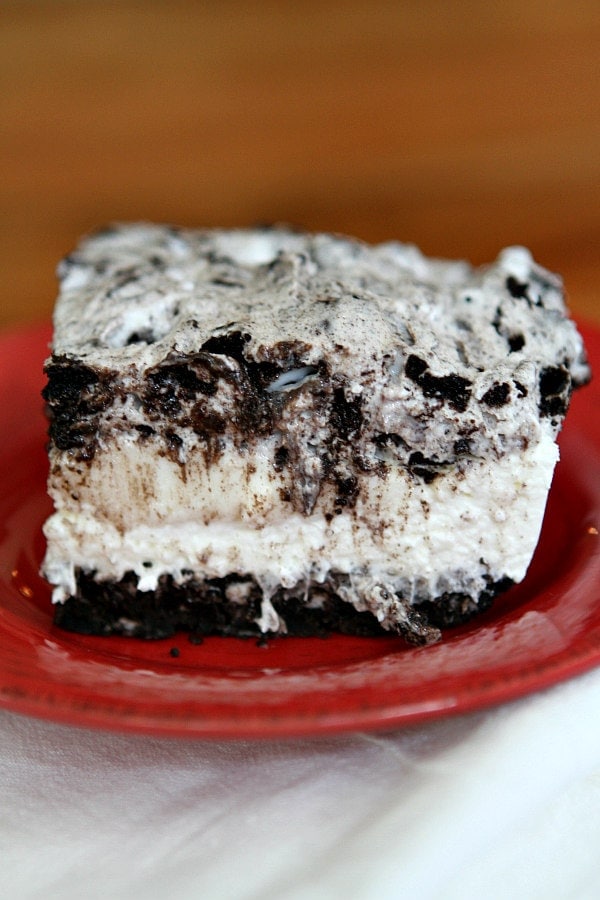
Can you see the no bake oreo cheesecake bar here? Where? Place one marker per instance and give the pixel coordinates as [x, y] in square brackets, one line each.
[268, 431]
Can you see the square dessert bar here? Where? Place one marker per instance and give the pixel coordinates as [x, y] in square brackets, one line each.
[268, 431]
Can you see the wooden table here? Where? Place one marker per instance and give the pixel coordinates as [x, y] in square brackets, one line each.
[459, 126]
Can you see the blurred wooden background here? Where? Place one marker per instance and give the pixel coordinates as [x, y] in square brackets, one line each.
[461, 126]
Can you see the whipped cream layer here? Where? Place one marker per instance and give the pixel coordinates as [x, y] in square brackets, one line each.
[455, 534]
[292, 407]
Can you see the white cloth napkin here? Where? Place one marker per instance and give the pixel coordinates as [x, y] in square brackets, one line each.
[499, 804]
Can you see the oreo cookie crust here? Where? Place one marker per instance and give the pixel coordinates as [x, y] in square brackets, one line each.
[266, 431]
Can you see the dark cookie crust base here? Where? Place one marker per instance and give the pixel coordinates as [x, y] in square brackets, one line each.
[202, 609]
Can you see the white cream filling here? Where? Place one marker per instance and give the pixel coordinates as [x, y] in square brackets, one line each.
[132, 508]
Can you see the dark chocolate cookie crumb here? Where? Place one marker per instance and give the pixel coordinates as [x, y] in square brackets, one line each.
[452, 388]
[497, 395]
[517, 289]
[555, 390]
[516, 342]
[75, 397]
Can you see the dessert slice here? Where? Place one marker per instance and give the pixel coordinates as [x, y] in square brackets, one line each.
[267, 431]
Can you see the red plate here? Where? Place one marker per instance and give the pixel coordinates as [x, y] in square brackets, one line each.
[541, 632]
